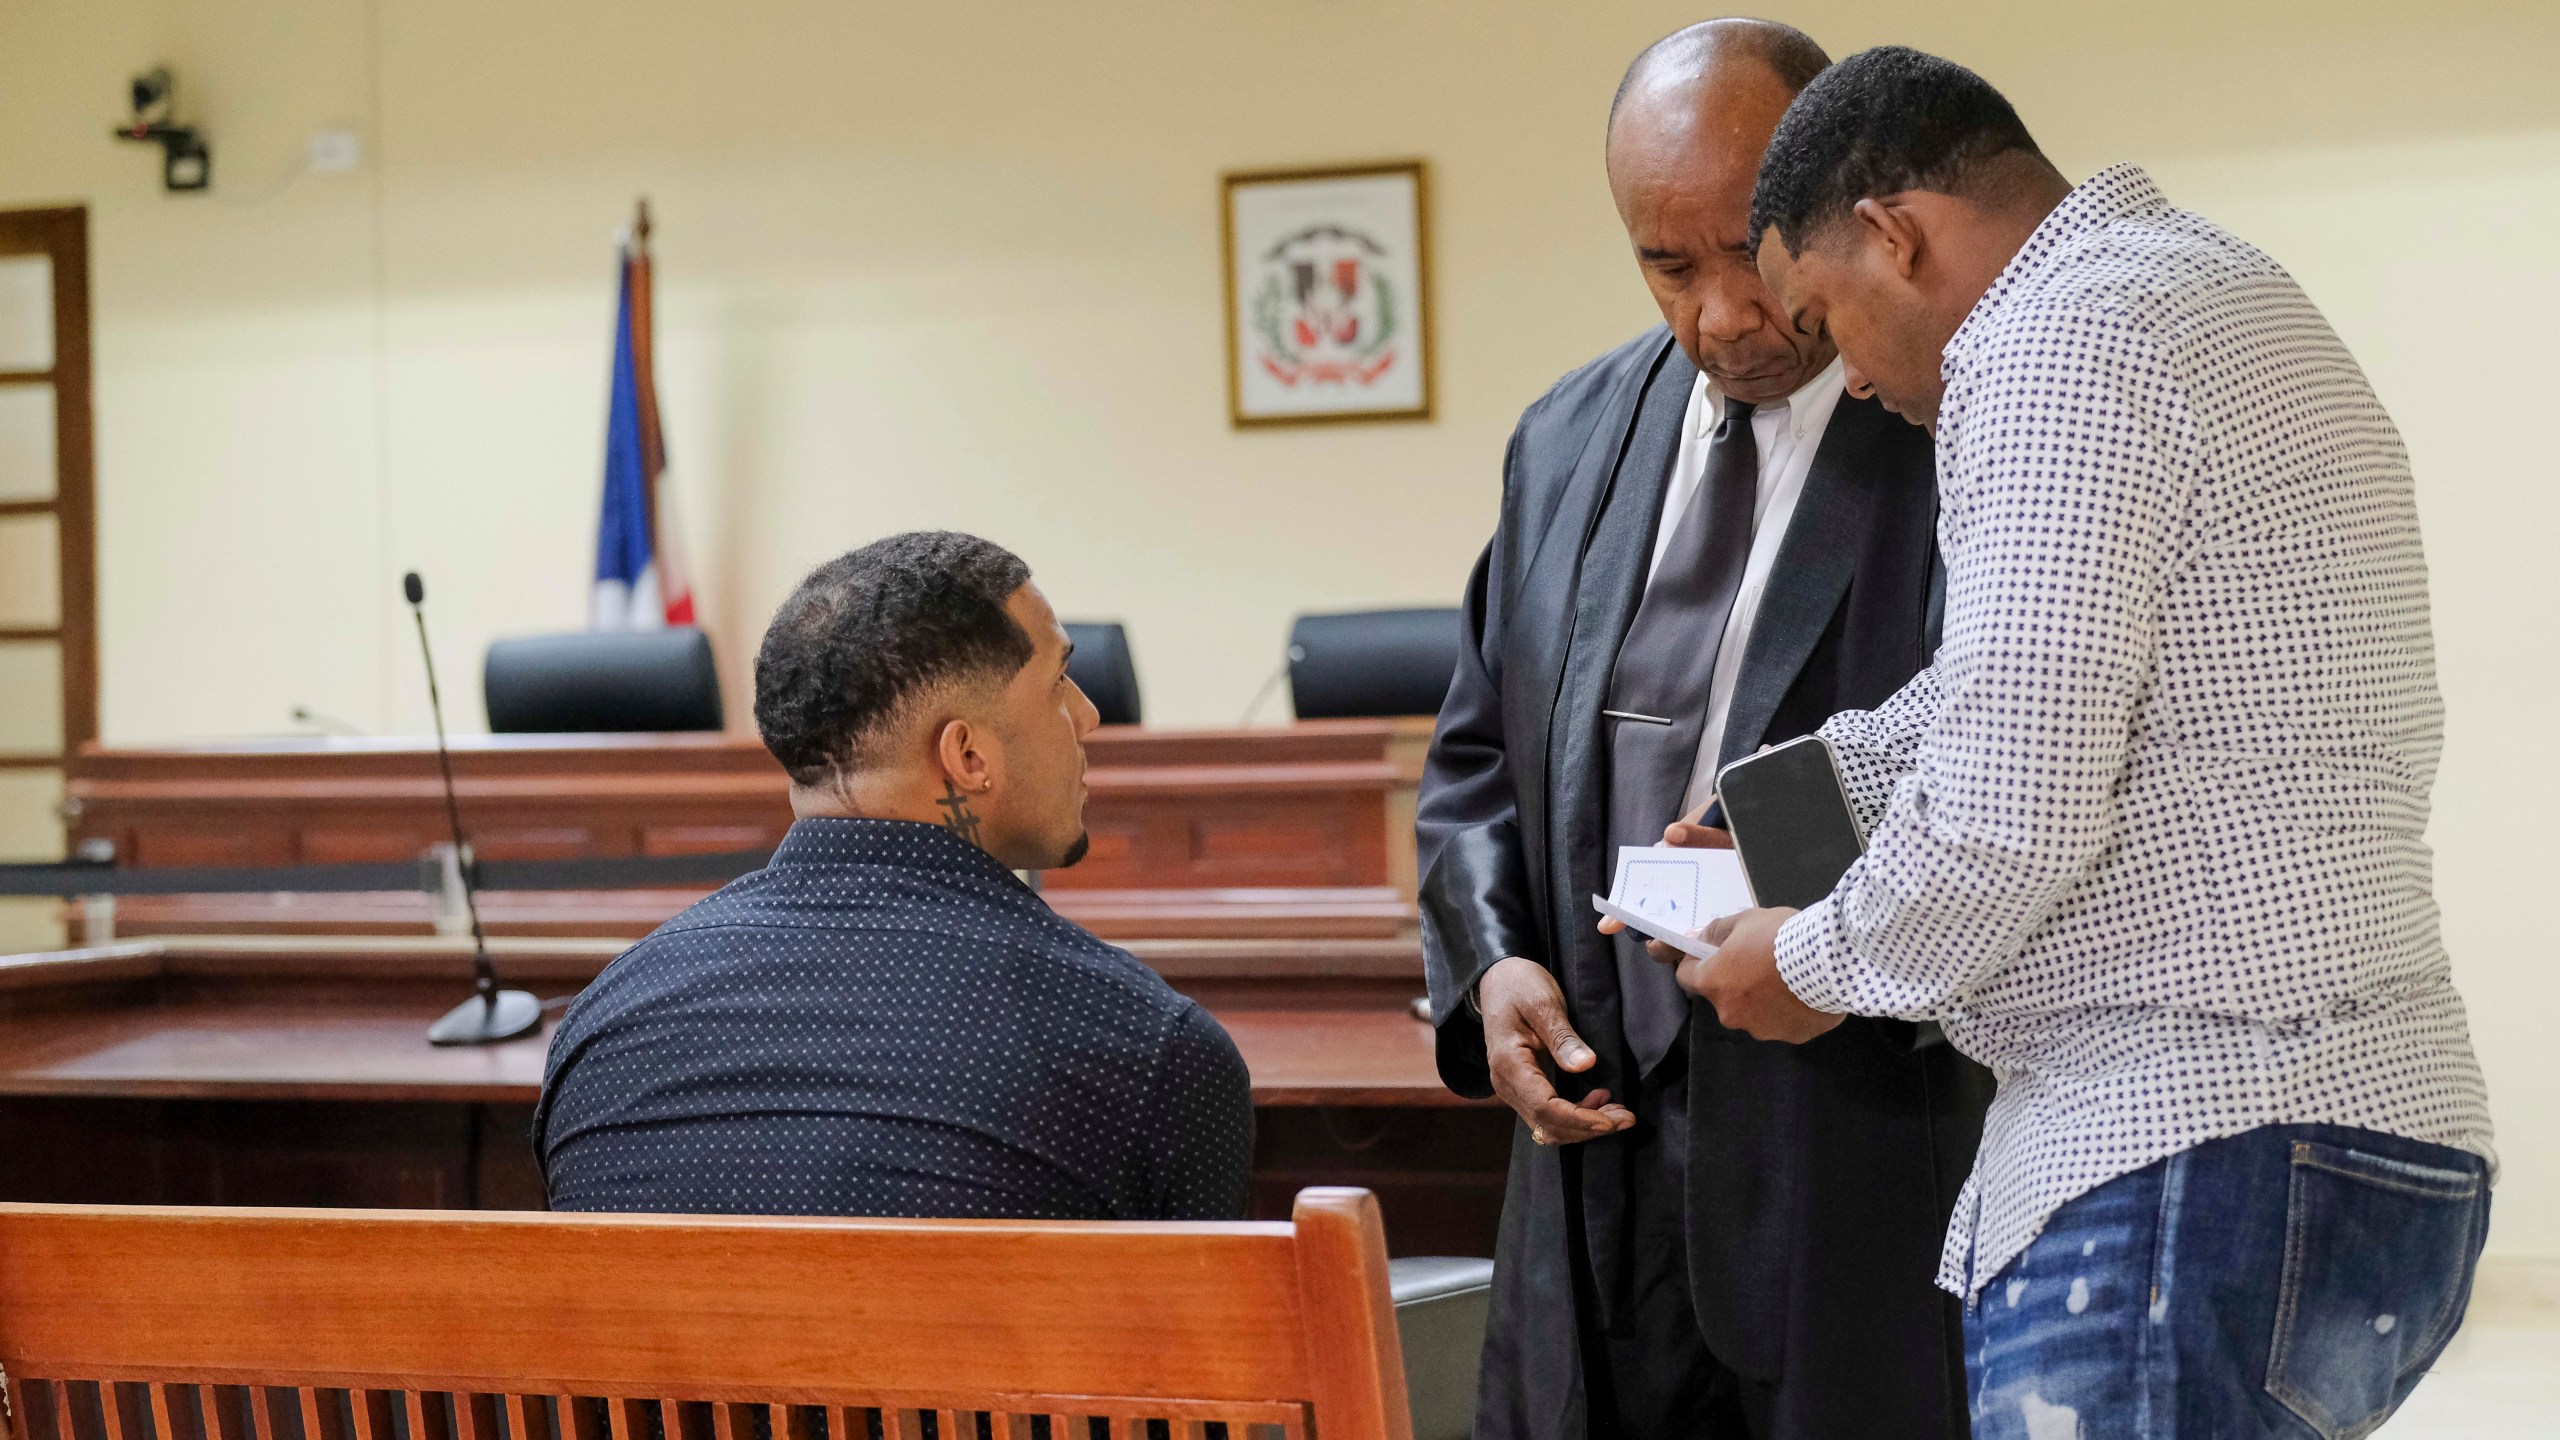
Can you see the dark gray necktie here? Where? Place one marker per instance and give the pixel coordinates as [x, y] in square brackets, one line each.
[1665, 670]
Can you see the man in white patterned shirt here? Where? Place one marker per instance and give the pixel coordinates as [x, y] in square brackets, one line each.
[2147, 839]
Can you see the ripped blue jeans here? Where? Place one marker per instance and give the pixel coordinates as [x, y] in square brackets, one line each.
[2293, 1281]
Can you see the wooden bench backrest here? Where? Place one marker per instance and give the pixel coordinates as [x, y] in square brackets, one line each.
[212, 1324]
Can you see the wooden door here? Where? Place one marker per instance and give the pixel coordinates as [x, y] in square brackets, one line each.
[48, 545]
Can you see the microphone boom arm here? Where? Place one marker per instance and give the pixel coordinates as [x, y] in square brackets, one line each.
[483, 972]
[492, 1015]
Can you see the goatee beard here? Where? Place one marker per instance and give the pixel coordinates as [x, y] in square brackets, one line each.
[1076, 851]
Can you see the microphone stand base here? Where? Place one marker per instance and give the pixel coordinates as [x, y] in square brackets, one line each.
[487, 1020]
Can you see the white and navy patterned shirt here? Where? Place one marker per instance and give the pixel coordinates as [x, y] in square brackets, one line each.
[2148, 838]
[884, 1021]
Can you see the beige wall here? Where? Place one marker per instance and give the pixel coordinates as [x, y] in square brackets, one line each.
[957, 265]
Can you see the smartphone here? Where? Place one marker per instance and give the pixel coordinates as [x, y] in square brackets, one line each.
[1790, 820]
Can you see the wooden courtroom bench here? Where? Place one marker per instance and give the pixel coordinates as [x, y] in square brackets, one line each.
[294, 1070]
[1299, 832]
[178, 1324]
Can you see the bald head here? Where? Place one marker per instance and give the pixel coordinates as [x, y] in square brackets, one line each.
[1679, 62]
[1686, 132]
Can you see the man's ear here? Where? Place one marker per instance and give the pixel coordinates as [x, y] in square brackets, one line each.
[961, 753]
[1768, 255]
[1891, 229]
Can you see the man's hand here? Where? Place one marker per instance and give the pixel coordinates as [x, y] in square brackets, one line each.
[1525, 1024]
[1690, 835]
[1741, 981]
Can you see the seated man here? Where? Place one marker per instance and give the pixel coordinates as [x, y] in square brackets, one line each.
[884, 1021]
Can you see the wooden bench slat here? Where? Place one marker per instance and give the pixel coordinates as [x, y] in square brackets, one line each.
[205, 1324]
[647, 1312]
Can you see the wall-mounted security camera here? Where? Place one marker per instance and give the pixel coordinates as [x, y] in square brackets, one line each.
[186, 160]
[152, 91]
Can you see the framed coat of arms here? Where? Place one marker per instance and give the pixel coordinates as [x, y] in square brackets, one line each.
[1328, 295]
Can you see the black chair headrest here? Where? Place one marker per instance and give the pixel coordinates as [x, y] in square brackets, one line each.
[1372, 662]
[1102, 669]
[602, 680]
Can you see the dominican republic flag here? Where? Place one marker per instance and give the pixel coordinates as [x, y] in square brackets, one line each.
[641, 579]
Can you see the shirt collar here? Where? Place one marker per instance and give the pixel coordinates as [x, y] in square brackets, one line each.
[905, 844]
[1798, 408]
[2102, 199]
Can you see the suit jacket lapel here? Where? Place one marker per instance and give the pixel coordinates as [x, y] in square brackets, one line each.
[1617, 547]
[1555, 560]
[1553, 573]
[1812, 570]
[1537, 605]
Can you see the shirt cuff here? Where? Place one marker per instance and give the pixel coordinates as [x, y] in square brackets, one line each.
[1804, 959]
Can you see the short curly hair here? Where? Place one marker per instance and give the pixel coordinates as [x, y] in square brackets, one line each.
[1878, 123]
[869, 632]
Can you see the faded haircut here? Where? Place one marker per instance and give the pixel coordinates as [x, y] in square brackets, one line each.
[871, 632]
[1879, 123]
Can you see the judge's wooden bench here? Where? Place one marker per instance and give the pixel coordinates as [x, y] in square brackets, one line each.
[1299, 832]
[269, 1048]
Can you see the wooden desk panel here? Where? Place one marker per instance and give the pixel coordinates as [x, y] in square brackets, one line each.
[1305, 830]
[303, 1051]
[233, 1021]
[327, 799]
[1316, 912]
[295, 1071]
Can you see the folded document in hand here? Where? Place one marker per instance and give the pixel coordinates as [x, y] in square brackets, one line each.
[1670, 892]
[1646, 925]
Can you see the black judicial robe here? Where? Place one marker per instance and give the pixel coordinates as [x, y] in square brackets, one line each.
[1821, 1175]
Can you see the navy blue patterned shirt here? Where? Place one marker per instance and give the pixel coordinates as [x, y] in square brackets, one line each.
[884, 1021]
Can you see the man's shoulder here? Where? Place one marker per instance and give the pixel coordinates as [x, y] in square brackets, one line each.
[1195, 1029]
[2156, 279]
[858, 955]
[1574, 401]
[993, 918]
[1086, 960]
[896, 915]
[1556, 428]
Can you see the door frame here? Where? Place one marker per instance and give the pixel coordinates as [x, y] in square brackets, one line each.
[62, 234]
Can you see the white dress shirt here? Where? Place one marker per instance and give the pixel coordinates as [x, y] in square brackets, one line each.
[2149, 838]
[1788, 432]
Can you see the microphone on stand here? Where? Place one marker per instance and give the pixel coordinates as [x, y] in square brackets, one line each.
[492, 1014]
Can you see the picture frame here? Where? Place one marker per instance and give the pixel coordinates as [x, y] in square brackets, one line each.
[1328, 294]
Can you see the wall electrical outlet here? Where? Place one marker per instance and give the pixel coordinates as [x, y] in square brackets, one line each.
[335, 152]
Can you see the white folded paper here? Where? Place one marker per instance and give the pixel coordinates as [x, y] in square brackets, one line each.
[1671, 892]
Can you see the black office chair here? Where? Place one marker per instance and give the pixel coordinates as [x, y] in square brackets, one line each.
[1372, 662]
[602, 680]
[1101, 667]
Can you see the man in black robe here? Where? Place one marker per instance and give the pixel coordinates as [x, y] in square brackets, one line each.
[1705, 546]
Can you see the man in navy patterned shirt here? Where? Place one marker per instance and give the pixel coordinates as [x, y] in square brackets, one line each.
[884, 1020]
[2148, 836]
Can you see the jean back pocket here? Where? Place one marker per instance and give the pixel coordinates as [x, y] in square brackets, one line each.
[2378, 1257]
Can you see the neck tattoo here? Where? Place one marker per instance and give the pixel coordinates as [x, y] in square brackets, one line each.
[958, 818]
